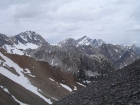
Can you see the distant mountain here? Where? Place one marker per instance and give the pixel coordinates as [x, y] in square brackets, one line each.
[87, 41]
[19, 43]
[30, 37]
[68, 42]
[119, 55]
[82, 41]
[120, 88]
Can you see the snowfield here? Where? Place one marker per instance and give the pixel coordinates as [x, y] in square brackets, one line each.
[21, 80]
[16, 49]
[66, 87]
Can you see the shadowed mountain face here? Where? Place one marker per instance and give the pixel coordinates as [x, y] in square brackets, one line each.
[84, 66]
[120, 56]
[120, 88]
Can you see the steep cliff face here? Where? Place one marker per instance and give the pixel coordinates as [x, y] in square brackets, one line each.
[120, 88]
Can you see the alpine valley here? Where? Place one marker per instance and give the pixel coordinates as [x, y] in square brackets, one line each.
[77, 72]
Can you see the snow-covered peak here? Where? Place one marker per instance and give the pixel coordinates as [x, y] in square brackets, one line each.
[88, 41]
[30, 37]
[18, 43]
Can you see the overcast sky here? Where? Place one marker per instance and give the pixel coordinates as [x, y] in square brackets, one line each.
[114, 21]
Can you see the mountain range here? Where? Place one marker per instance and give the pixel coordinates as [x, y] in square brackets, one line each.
[47, 73]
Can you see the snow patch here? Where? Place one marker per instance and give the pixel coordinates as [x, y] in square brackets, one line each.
[54, 98]
[92, 74]
[75, 88]
[12, 50]
[116, 50]
[54, 64]
[81, 84]
[24, 38]
[27, 71]
[66, 87]
[26, 46]
[16, 49]
[88, 81]
[69, 69]
[51, 79]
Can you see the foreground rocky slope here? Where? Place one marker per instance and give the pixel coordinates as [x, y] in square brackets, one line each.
[34, 82]
[121, 88]
[6, 99]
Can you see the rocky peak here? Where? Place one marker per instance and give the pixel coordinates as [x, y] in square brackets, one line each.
[97, 42]
[30, 37]
[80, 39]
[88, 41]
[68, 42]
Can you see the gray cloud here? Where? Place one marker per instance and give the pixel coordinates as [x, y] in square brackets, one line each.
[115, 21]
